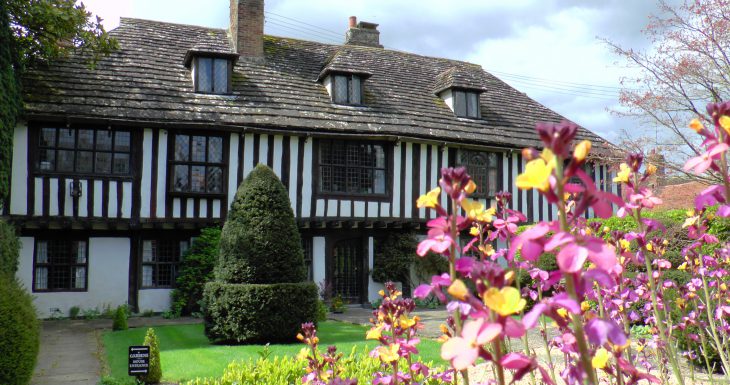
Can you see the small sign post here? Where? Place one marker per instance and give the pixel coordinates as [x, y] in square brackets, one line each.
[139, 361]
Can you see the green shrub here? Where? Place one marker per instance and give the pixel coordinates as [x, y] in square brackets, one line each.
[394, 255]
[196, 269]
[260, 242]
[258, 313]
[321, 311]
[289, 370]
[258, 294]
[120, 318]
[154, 375]
[74, 312]
[430, 265]
[9, 250]
[19, 333]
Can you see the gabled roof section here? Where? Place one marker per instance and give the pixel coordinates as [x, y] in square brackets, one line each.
[146, 83]
[349, 59]
[468, 76]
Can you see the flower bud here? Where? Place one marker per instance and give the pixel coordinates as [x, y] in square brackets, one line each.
[582, 150]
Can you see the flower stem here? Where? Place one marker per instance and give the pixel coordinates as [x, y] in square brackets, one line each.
[452, 274]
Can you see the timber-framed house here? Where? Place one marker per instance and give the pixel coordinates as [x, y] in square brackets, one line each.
[116, 168]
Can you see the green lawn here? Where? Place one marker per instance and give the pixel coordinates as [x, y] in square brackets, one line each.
[187, 354]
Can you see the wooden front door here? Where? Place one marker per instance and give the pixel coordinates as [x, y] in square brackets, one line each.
[347, 269]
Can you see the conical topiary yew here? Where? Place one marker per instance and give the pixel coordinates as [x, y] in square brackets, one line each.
[258, 294]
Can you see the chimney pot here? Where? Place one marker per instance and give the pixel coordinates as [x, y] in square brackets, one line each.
[362, 33]
[353, 21]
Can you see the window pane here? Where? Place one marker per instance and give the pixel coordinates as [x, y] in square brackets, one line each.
[41, 278]
[66, 138]
[121, 164]
[221, 76]
[122, 141]
[104, 140]
[65, 160]
[203, 72]
[184, 245]
[340, 89]
[215, 149]
[325, 178]
[198, 149]
[86, 139]
[459, 103]
[473, 104]
[182, 147]
[48, 137]
[41, 252]
[47, 160]
[214, 180]
[379, 182]
[379, 157]
[181, 178]
[80, 278]
[197, 179]
[103, 163]
[147, 251]
[147, 272]
[355, 91]
[492, 191]
[84, 161]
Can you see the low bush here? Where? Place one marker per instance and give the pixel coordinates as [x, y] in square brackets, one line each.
[19, 333]
[120, 318]
[289, 370]
[196, 268]
[321, 311]
[154, 375]
[258, 313]
[74, 312]
[393, 257]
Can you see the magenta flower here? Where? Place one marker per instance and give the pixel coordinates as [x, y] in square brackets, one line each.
[463, 351]
[574, 252]
[531, 242]
[700, 164]
[437, 241]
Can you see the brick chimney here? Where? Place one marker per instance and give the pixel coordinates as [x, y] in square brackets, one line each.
[247, 28]
[362, 33]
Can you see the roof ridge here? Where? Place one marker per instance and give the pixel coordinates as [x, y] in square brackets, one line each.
[122, 19]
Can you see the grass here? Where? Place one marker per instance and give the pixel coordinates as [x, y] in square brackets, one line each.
[186, 353]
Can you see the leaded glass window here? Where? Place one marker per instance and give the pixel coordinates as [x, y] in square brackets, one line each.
[483, 167]
[100, 152]
[198, 164]
[212, 75]
[466, 104]
[352, 168]
[60, 265]
[160, 260]
[347, 89]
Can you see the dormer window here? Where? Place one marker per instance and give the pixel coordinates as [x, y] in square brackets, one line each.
[466, 104]
[347, 89]
[212, 75]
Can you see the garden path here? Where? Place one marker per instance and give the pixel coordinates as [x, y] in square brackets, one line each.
[71, 350]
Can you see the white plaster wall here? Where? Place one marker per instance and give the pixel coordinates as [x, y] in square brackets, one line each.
[108, 277]
[157, 300]
[18, 195]
[318, 266]
[448, 98]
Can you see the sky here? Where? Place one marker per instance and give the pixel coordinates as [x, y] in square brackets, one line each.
[550, 49]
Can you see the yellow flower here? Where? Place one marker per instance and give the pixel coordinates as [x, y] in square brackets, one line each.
[623, 174]
[470, 187]
[487, 249]
[475, 210]
[506, 301]
[562, 312]
[458, 290]
[474, 231]
[430, 200]
[624, 244]
[585, 306]
[691, 221]
[548, 156]
[723, 287]
[508, 276]
[725, 123]
[302, 355]
[389, 353]
[600, 360]
[683, 266]
[650, 246]
[374, 333]
[406, 322]
[696, 125]
[582, 150]
[650, 169]
[537, 175]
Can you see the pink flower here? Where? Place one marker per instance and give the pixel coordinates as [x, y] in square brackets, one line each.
[574, 253]
[700, 164]
[437, 241]
[530, 242]
[463, 351]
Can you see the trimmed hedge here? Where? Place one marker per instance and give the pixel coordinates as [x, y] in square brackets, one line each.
[394, 256]
[260, 242]
[258, 313]
[196, 269]
[19, 333]
[9, 250]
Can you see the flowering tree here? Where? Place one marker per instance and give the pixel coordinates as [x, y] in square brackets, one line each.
[688, 63]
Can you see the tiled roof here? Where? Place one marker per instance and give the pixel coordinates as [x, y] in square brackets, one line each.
[469, 76]
[146, 82]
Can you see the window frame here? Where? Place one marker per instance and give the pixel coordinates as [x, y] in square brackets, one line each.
[70, 266]
[35, 149]
[171, 163]
[154, 263]
[388, 171]
[466, 93]
[197, 72]
[349, 76]
[482, 192]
